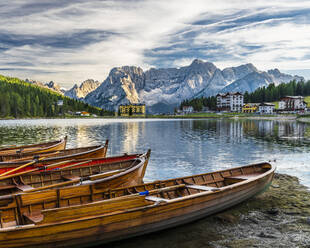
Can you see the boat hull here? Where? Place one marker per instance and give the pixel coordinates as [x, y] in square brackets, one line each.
[37, 148]
[93, 153]
[94, 230]
[123, 169]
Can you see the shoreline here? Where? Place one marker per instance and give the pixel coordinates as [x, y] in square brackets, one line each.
[209, 116]
[280, 217]
[304, 120]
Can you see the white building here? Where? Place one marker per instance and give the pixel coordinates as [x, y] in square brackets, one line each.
[293, 103]
[231, 101]
[187, 109]
[266, 108]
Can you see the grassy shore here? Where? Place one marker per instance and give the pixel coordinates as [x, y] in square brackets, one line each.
[187, 116]
[224, 115]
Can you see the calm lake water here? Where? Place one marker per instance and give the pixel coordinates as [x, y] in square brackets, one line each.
[179, 147]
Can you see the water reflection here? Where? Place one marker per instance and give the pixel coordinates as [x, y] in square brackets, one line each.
[179, 147]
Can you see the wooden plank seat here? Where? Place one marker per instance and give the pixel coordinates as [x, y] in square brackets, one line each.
[156, 199]
[34, 217]
[202, 187]
[244, 177]
[70, 177]
[24, 187]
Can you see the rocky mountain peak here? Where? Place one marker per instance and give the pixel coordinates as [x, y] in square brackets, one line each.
[197, 62]
[51, 85]
[79, 92]
[164, 88]
[279, 77]
[199, 66]
[275, 72]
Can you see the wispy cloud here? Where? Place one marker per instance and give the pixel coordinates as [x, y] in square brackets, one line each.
[69, 41]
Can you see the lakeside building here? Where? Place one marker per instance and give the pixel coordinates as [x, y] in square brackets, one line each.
[250, 107]
[266, 108]
[292, 103]
[132, 110]
[231, 101]
[187, 109]
[82, 113]
[85, 113]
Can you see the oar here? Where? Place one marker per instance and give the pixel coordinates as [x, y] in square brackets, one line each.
[53, 186]
[46, 155]
[73, 181]
[73, 165]
[35, 169]
[46, 167]
[21, 167]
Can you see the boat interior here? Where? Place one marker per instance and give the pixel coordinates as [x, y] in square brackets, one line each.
[67, 173]
[57, 205]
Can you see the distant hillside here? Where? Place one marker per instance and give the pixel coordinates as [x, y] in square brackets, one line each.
[21, 99]
[271, 93]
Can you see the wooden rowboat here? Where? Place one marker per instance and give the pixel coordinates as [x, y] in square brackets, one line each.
[90, 215]
[75, 172]
[58, 156]
[60, 153]
[35, 148]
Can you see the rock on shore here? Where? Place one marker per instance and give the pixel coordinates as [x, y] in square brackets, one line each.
[279, 217]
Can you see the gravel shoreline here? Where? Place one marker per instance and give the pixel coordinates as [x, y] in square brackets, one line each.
[280, 217]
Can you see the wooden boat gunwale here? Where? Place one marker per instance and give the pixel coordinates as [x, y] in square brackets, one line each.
[221, 189]
[143, 158]
[143, 214]
[12, 164]
[53, 147]
[79, 154]
[7, 148]
[39, 155]
[94, 178]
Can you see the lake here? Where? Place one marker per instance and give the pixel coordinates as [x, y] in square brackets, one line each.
[179, 147]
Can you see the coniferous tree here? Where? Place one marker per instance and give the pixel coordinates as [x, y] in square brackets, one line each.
[21, 99]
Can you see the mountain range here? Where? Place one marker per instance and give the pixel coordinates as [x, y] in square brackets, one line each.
[165, 88]
[79, 92]
[51, 85]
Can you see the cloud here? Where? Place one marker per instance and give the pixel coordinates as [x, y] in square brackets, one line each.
[74, 40]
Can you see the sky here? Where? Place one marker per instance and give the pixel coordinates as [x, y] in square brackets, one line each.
[69, 41]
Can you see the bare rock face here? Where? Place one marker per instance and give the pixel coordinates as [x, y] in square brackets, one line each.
[51, 85]
[279, 77]
[79, 92]
[54, 86]
[120, 87]
[161, 89]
